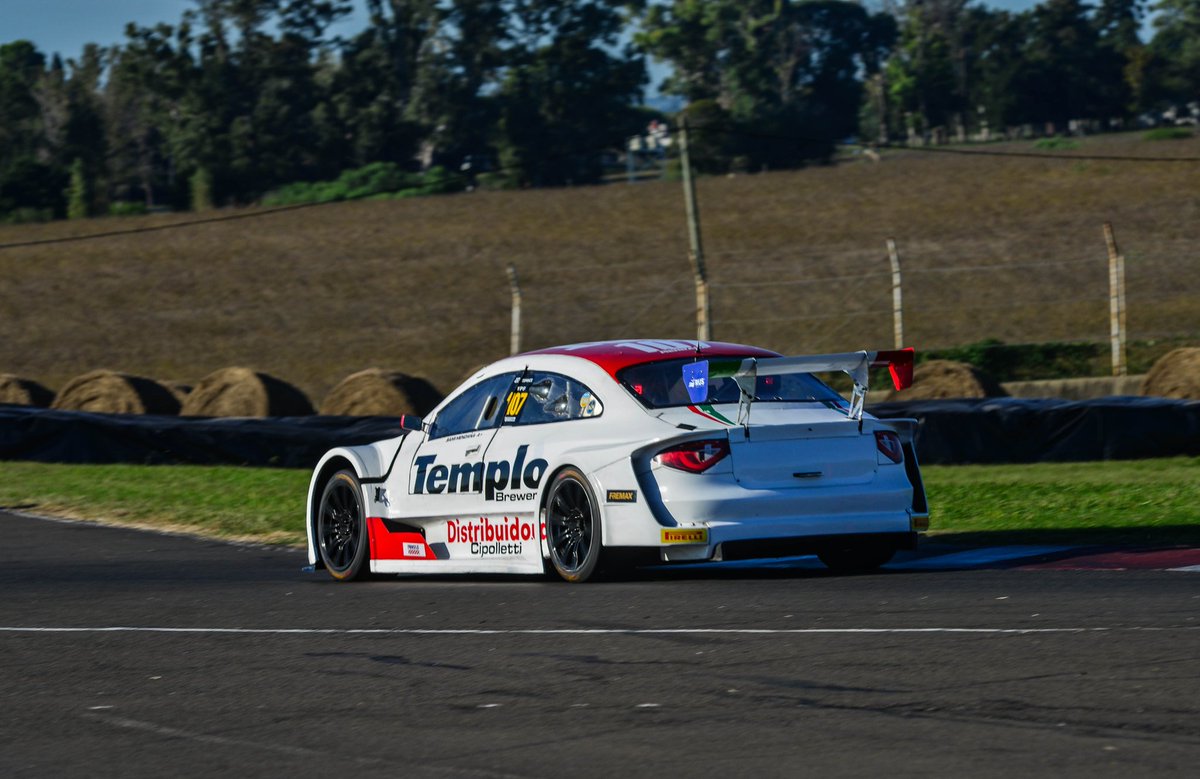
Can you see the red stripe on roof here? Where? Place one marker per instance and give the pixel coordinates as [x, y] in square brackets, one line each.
[614, 356]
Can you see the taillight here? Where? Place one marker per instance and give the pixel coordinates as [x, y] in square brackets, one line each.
[694, 456]
[888, 444]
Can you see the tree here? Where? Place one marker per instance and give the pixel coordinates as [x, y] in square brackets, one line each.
[28, 179]
[1066, 76]
[787, 72]
[371, 114]
[567, 92]
[1176, 45]
[930, 73]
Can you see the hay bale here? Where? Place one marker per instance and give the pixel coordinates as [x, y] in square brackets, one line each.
[23, 392]
[109, 392]
[241, 392]
[179, 389]
[375, 392]
[938, 379]
[1175, 375]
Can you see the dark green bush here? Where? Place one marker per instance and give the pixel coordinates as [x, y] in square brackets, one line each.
[1056, 143]
[379, 180]
[1169, 134]
[1024, 362]
[126, 208]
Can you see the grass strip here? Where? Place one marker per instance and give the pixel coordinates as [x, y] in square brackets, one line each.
[257, 504]
[1112, 502]
[1118, 502]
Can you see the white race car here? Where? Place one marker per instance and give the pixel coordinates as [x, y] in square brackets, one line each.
[579, 456]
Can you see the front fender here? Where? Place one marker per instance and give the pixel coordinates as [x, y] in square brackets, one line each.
[370, 461]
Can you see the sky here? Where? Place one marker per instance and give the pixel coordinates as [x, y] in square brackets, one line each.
[64, 26]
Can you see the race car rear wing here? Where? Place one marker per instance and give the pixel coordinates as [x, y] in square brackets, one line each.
[899, 363]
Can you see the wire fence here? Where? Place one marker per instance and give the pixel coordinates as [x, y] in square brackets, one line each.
[834, 302]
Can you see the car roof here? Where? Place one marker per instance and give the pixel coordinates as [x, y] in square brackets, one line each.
[614, 356]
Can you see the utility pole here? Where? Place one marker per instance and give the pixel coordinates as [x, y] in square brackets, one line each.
[897, 303]
[1116, 302]
[695, 248]
[515, 287]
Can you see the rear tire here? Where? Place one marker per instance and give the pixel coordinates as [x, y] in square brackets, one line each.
[573, 526]
[341, 530]
[859, 558]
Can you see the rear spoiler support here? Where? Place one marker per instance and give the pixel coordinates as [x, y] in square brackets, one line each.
[857, 365]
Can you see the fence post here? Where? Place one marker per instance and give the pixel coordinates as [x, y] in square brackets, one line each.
[1116, 301]
[514, 286]
[696, 249]
[897, 303]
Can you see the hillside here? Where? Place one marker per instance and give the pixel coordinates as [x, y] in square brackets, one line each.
[419, 285]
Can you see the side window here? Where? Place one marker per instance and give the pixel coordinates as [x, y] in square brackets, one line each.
[541, 397]
[477, 408]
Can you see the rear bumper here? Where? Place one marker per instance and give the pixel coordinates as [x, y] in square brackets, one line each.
[737, 540]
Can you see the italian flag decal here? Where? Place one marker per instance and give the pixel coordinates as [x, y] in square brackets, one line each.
[708, 412]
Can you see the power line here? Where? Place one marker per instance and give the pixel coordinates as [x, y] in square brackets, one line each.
[450, 177]
[456, 176]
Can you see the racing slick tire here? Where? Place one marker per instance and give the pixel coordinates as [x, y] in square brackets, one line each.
[341, 530]
[573, 531]
[858, 558]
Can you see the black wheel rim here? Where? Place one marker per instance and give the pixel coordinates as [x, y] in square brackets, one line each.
[341, 528]
[569, 525]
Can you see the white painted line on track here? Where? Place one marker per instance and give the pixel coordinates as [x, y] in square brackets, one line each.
[589, 631]
[1188, 568]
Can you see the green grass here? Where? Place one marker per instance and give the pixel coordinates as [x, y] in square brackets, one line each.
[258, 504]
[1142, 501]
[1056, 143]
[1169, 134]
[1128, 502]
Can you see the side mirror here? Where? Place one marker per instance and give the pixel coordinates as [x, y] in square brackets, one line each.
[411, 422]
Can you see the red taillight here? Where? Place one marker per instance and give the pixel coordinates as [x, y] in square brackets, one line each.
[694, 456]
[888, 444]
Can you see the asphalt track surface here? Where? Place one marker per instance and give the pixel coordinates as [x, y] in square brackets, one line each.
[229, 659]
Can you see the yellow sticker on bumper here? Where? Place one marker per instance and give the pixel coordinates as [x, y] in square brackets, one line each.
[691, 535]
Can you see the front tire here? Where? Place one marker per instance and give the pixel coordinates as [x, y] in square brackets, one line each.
[342, 528]
[573, 526]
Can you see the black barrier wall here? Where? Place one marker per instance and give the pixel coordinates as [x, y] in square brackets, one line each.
[1000, 430]
[48, 436]
[1031, 430]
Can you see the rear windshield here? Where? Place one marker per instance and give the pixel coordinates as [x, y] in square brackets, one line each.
[660, 385]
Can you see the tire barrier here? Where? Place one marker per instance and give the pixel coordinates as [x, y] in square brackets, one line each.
[1032, 430]
[43, 435]
[950, 432]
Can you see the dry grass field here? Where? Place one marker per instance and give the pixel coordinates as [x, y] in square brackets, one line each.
[797, 263]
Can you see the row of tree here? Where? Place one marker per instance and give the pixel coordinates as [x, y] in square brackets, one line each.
[243, 96]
